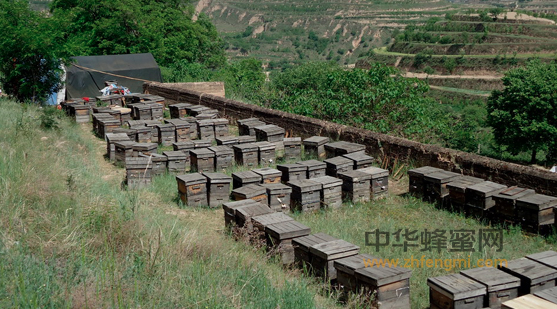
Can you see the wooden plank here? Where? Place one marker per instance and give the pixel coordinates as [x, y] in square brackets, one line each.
[379, 276]
[549, 295]
[272, 218]
[529, 270]
[528, 302]
[335, 249]
[494, 279]
[286, 230]
[547, 258]
[457, 286]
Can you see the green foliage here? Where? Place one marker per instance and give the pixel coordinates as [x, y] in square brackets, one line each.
[31, 48]
[523, 114]
[50, 118]
[163, 28]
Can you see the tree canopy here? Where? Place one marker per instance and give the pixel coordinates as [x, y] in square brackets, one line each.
[523, 115]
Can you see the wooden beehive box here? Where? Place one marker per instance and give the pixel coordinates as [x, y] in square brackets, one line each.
[132, 106]
[245, 139]
[96, 121]
[230, 210]
[500, 285]
[416, 184]
[306, 195]
[279, 238]
[193, 189]
[181, 128]
[292, 148]
[504, 209]
[202, 143]
[143, 134]
[240, 179]
[389, 287]
[253, 191]
[193, 126]
[360, 159]
[314, 168]
[301, 246]
[227, 140]
[224, 157]
[547, 258]
[178, 110]
[143, 148]
[221, 127]
[184, 146]
[206, 129]
[323, 256]
[123, 150]
[129, 132]
[260, 222]
[379, 181]
[270, 133]
[159, 163]
[533, 276]
[266, 153]
[479, 197]
[176, 161]
[166, 134]
[337, 165]
[138, 172]
[157, 111]
[550, 295]
[455, 291]
[268, 175]
[278, 196]
[535, 212]
[528, 302]
[457, 191]
[207, 114]
[135, 124]
[245, 213]
[107, 126]
[196, 110]
[202, 160]
[218, 188]
[341, 148]
[82, 113]
[142, 112]
[246, 154]
[292, 172]
[331, 191]
[154, 130]
[247, 126]
[346, 271]
[356, 186]
[315, 146]
[112, 138]
[436, 186]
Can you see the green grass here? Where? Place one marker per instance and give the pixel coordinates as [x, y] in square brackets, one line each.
[463, 91]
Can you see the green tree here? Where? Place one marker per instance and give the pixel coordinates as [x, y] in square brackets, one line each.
[523, 115]
[31, 48]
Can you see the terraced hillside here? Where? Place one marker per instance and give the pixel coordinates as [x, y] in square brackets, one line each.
[284, 32]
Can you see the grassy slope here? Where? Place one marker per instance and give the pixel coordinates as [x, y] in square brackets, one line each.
[71, 238]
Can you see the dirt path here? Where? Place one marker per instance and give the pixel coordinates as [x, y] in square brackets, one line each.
[424, 76]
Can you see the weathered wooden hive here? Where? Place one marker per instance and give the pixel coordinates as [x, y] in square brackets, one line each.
[457, 191]
[436, 186]
[341, 148]
[202, 143]
[331, 191]
[227, 140]
[416, 185]
[260, 222]
[193, 189]
[360, 159]
[219, 188]
[535, 212]
[346, 271]
[230, 211]
[138, 172]
[97, 118]
[314, 168]
[253, 191]
[129, 132]
[196, 110]
[529, 302]
[315, 146]
[206, 129]
[324, 255]
[112, 138]
[270, 133]
[166, 134]
[142, 112]
[106, 125]
[246, 139]
[181, 128]
[246, 154]
[278, 196]
[549, 295]
[479, 198]
[456, 291]
[247, 126]
[178, 110]
[207, 114]
[292, 148]
[306, 195]
[302, 256]
[534, 276]
[176, 161]
[500, 285]
[159, 163]
[356, 186]
[202, 160]
[266, 153]
[81, 112]
[138, 148]
[123, 150]
[292, 172]
[280, 236]
[221, 127]
[246, 213]
[504, 209]
[193, 126]
[154, 130]
[224, 157]
[268, 175]
[379, 181]
[338, 165]
[241, 179]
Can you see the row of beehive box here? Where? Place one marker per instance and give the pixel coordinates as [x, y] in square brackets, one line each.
[333, 259]
[493, 287]
[484, 199]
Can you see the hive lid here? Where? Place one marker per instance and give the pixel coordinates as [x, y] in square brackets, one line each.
[538, 201]
[514, 193]
[206, 122]
[220, 121]
[493, 278]
[334, 249]
[178, 123]
[267, 171]
[221, 150]
[375, 172]
[457, 286]
[249, 175]
[313, 164]
[179, 105]
[291, 167]
[263, 145]
[192, 179]
[548, 294]
[138, 162]
[354, 262]
[460, 184]
[250, 190]
[354, 176]
[424, 170]
[202, 153]
[227, 139]
[529, 302]
[287, 230]
[328, 181]
[246, 139]
[116, 137]
[246, 120]
[183, 145]
[306, 242]
[165, 127]
[338, 161]
[292, 141]
[487, 188]
[124, 144]
[305, 185]
[316, 141]
[253, 210]
[202, 143]
[271, 129]
[530, 270]
[217, 177]
[271, 218]
[175, 155]
[547, 258]
[441, 177]
[231, 206]
[358, 157]
[155, 157]
[276, 188]
[246, 147]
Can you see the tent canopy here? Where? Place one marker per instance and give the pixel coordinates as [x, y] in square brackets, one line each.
[85, 80]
